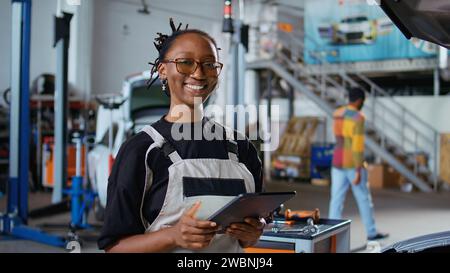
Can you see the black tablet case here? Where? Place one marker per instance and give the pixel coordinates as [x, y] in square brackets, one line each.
[249, 205]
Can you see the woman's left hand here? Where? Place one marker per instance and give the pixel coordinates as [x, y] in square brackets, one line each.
[248, 232]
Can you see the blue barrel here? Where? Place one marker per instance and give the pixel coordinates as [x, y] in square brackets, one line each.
[321, 158]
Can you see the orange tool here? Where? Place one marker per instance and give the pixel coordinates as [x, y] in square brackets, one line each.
[302, 214]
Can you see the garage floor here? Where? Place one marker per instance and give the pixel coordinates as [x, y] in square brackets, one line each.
[403, 215]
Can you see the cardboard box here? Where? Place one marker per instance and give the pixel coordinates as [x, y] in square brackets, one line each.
[422, 159]
[382, 176]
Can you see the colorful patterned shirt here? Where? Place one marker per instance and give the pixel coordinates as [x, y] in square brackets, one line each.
[348, 129]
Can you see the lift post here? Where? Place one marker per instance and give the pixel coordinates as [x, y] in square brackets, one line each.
[62, 40]
[14, 222]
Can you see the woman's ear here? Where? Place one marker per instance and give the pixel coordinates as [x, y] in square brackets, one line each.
[162, 71]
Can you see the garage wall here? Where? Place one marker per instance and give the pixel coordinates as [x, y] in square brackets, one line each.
[123, 38]
[434, 110]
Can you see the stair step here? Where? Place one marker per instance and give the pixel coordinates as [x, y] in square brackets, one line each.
[332, 100]
[427, 178]
[423, 170]
[317, 92]
[407, 164]
[402, 159]
[391, 148]
[410, 160]
[430, 178]
[399, 151]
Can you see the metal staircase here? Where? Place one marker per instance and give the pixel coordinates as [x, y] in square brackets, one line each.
[393, 133]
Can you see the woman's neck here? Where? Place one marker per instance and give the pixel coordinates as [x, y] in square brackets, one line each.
[182, 113]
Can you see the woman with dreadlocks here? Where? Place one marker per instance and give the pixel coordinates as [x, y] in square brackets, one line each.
[163, 187]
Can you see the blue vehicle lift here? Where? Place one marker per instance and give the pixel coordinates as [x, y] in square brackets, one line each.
[14, 221]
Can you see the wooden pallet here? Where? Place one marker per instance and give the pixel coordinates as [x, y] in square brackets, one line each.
[297, 137]
[445, 158]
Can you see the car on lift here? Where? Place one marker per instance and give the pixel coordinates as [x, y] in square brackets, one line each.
[138, 106]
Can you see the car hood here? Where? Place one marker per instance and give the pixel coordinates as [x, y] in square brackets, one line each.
[424, 19]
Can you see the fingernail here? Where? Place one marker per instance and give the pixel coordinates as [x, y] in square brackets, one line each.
[213, 224]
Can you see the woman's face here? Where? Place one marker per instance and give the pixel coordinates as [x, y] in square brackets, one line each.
[185, 87]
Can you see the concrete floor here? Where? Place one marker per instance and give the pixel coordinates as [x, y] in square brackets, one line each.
[402, 215]
[55, 225]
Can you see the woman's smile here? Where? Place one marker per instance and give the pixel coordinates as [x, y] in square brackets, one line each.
[197, 89]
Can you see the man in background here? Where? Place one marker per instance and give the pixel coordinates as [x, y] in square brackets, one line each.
[348, 169]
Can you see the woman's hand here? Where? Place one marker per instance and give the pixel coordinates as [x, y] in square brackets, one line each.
[248, 232]
[191, 233]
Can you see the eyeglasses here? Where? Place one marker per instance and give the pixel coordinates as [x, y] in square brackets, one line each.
[188, 66]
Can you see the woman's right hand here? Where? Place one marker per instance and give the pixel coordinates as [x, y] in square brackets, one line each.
[191, 233]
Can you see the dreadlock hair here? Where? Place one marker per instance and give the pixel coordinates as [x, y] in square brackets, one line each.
[164, 42]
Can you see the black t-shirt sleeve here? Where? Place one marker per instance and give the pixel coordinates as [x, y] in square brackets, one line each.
[255, 165]
[248, 154]
[125, 189]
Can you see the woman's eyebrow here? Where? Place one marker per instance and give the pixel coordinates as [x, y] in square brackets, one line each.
[185, 53]
[208, 56]
[190, 54]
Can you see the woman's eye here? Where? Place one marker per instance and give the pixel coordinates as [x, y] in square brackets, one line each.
[209, 65]
[186, 62]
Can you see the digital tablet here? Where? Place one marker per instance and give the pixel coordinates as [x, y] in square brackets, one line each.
[253, 205]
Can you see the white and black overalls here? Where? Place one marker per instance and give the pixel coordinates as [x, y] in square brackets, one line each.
[212, 181]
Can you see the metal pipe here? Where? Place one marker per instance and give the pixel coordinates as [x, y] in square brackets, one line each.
[373, 107]
[62, 37]
[111, 129]
[14, 140]
[78, 155]
[402, 132]
[437, 83]
[24, 149]
[415, 152]
[59, 13]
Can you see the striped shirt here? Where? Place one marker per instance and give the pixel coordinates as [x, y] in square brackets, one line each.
[348, 126]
